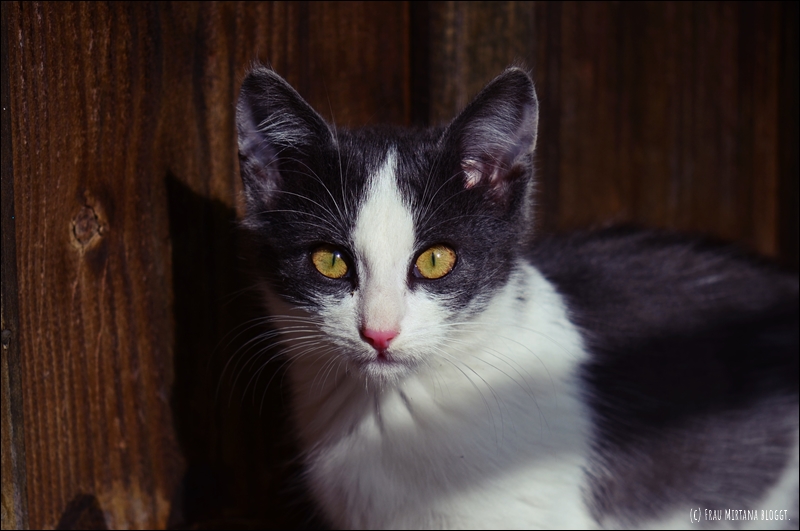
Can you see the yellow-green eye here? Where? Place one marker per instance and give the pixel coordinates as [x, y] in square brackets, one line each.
[329, 261]
[435, 262]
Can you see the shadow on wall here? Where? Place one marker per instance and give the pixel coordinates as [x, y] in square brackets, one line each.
[232, 426]
[83, 512]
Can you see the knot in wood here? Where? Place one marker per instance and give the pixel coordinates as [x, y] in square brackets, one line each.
[85, 225]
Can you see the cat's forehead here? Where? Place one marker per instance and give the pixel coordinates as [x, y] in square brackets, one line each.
[369, 147]
[415, 155]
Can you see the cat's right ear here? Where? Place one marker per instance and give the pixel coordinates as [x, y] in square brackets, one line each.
[274, 123]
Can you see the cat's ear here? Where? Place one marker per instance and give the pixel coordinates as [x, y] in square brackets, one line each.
[274, 123]
[496, 134]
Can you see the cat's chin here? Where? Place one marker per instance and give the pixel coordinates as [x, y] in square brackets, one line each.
[384, 369]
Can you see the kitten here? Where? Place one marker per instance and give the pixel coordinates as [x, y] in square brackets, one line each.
[448, 370]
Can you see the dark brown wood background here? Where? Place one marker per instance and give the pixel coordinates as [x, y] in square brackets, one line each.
[123, 291]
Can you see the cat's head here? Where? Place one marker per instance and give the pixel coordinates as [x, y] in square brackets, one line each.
[379, 245]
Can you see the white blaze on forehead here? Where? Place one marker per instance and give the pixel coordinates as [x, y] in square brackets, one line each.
[383, 240]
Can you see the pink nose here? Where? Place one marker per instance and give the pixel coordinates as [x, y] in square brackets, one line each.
[379, 339]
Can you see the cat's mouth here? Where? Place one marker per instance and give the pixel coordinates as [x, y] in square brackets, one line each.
[384, 364]
[384, 358]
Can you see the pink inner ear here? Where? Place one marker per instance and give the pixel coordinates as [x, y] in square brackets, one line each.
[475, 171]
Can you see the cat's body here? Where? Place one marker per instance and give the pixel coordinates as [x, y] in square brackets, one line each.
[617, 378]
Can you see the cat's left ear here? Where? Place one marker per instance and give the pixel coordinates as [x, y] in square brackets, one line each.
[496, 134]
[275, 125]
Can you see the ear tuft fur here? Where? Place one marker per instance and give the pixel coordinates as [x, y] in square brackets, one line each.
[273, 122]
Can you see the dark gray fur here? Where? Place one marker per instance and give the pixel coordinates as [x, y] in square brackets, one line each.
[694, 375]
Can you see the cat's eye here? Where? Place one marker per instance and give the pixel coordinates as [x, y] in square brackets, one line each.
[329, 261]
[435, 262]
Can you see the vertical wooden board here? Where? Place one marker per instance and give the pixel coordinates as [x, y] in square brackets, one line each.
[649, 45]
[544, 44]
[210, 46]
[13, 510]
[358, 58]
[92, 242]
[592, 185]
[710, 182]
[719, 117]
[470, 43]
[763, 23]
[13, 505]
[789, 127]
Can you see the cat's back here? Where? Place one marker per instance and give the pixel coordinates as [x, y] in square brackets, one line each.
[640, 282]
[692, 375]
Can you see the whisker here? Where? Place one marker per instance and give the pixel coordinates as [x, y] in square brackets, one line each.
[243, 349]
[341, 226]
[425, 213]
[274, 344]
[450, 359]
[340, 218]
[444, 203]
[338, 160]
[305, 349]
[329, 365]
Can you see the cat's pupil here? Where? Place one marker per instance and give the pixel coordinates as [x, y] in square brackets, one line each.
[433, 258]
[327, 261]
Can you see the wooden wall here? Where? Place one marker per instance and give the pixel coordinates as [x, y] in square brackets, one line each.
[668, 114]
[123, 292]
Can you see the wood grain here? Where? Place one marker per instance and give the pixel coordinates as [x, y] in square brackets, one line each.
[664, 114]
[92, 243]
[13, 509]
[789, 187]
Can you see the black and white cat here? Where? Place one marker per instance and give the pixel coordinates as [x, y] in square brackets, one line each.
[450, 370]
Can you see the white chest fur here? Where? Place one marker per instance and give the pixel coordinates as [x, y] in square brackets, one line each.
[491, 435]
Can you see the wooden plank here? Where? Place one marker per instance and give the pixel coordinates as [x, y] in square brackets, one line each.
[545, 60]
[789, 187]
[126, 186]
[13, 509]
[664, 114]
[470, 43]
[95, 338]
[591, 182]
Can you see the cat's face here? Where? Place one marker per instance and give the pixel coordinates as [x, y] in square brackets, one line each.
[380, 244]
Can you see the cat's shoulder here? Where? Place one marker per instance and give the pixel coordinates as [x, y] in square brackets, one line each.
[652, 302]
[632, 262]
[625, 287]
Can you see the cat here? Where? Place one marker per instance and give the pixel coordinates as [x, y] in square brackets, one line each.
[451, 369]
